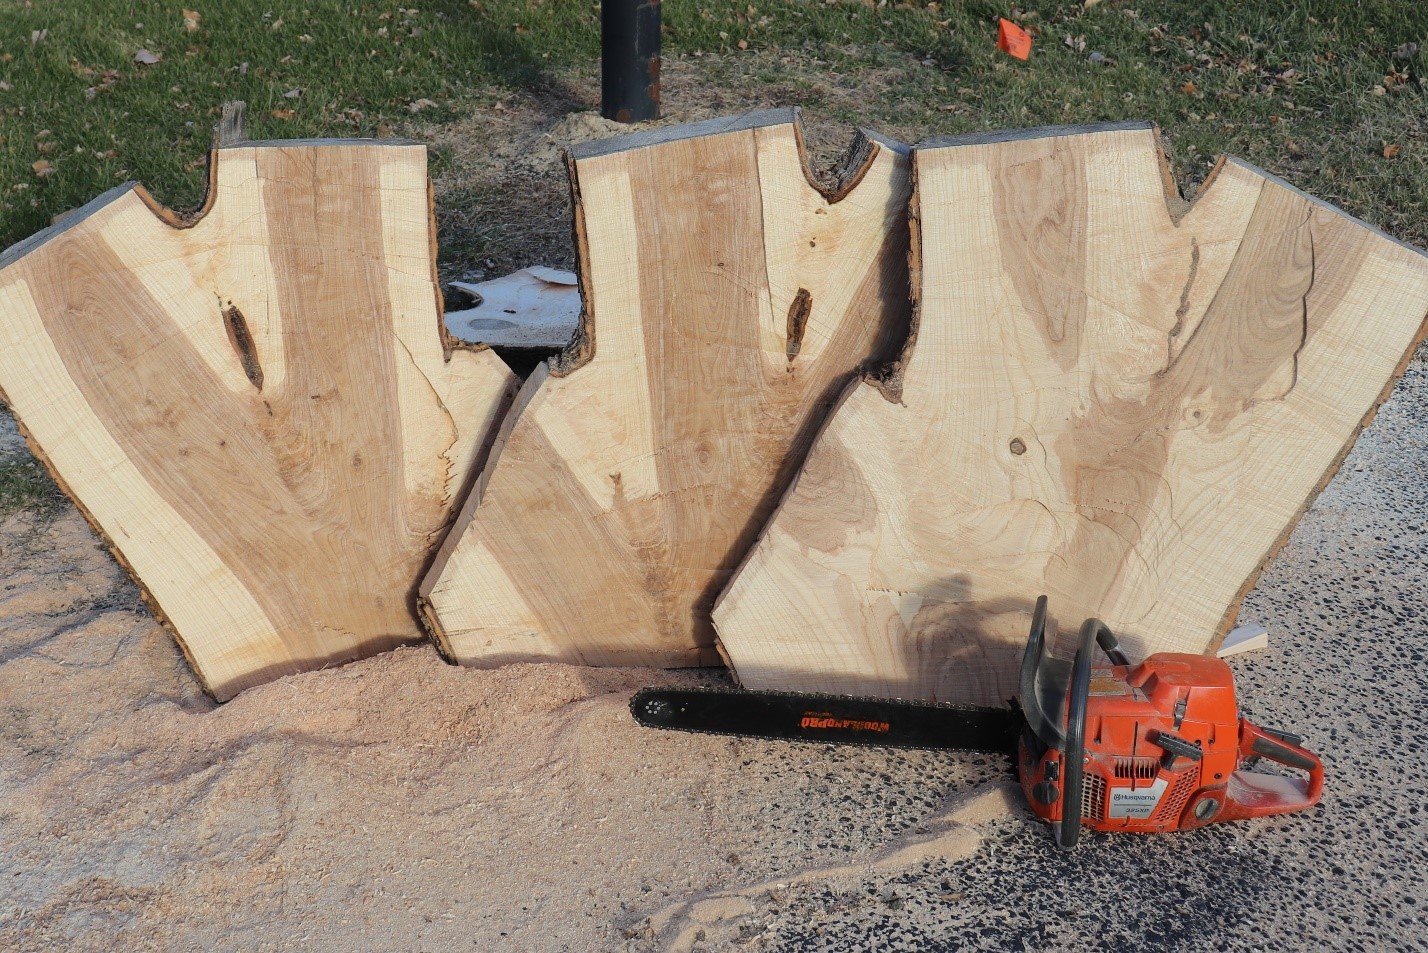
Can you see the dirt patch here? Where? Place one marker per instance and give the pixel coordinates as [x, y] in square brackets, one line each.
[502, 196]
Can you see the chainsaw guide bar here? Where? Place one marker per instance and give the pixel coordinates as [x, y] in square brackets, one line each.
[830, 719]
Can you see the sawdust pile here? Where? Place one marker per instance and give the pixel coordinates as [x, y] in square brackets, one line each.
[397, 803]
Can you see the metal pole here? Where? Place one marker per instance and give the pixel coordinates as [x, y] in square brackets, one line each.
[629, 60]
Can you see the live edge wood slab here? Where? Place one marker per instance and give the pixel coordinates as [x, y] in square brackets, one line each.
[254, 404]
[1114, 398]
[728, 301]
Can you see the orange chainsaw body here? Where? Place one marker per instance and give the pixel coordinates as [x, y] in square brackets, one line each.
[1138, 774]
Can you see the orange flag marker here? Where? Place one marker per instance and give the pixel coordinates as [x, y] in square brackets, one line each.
[1013, 40]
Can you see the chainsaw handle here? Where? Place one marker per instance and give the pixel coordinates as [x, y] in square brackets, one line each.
[1073, 752]
[1258, 742]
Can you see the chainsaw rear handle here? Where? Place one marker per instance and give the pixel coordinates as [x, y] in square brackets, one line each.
[1274, 746]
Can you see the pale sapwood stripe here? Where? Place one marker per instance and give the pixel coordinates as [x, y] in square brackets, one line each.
[449, 406]
[174, 560]
[406, 250]
[429, 432]
[599, 438]
[1136, 262]
[822, 247]
[484, 614]
[480, 388]
[784, 204]
[182, 284]
[863, 234]
[235, 234]
[574, 571]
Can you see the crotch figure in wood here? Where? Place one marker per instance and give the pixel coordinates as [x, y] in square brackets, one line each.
[1113, 397]
[254, 404]
[728, 300]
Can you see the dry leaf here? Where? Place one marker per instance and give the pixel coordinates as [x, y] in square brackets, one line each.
[1390, 150]
[43, 169]
[147, 58]
[743, 44]
[5, 87]
[1379, 91]
[419, 105]
[190, 20]
[38, 36]
[293, 93]
[277, 25]
[283, 113]
[1189, 89]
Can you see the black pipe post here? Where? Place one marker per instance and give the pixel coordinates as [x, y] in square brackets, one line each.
[629, 60]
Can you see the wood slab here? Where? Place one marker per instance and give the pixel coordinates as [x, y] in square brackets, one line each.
[1114, 398]
[728, 300]
[254, 404]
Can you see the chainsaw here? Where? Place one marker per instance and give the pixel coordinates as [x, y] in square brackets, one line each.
[1158, 746]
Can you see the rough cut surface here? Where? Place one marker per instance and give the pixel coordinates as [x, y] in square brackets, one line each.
[728, 301]
[254, 406]
[1113, 399]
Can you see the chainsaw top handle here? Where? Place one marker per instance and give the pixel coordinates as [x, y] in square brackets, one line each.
[1073, 755]
[1054, 697]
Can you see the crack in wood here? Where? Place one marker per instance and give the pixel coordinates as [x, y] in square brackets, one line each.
[798, 313]
[242, 340]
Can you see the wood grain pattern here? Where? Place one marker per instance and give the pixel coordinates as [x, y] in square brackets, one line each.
[255, 405]
[1124, 407]
[728, 301]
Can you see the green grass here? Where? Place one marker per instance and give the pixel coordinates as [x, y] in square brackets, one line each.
[1290, 86]
[24, 485]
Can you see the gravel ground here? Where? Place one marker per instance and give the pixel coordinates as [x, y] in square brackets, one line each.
[1348, 615]
[402, 804]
